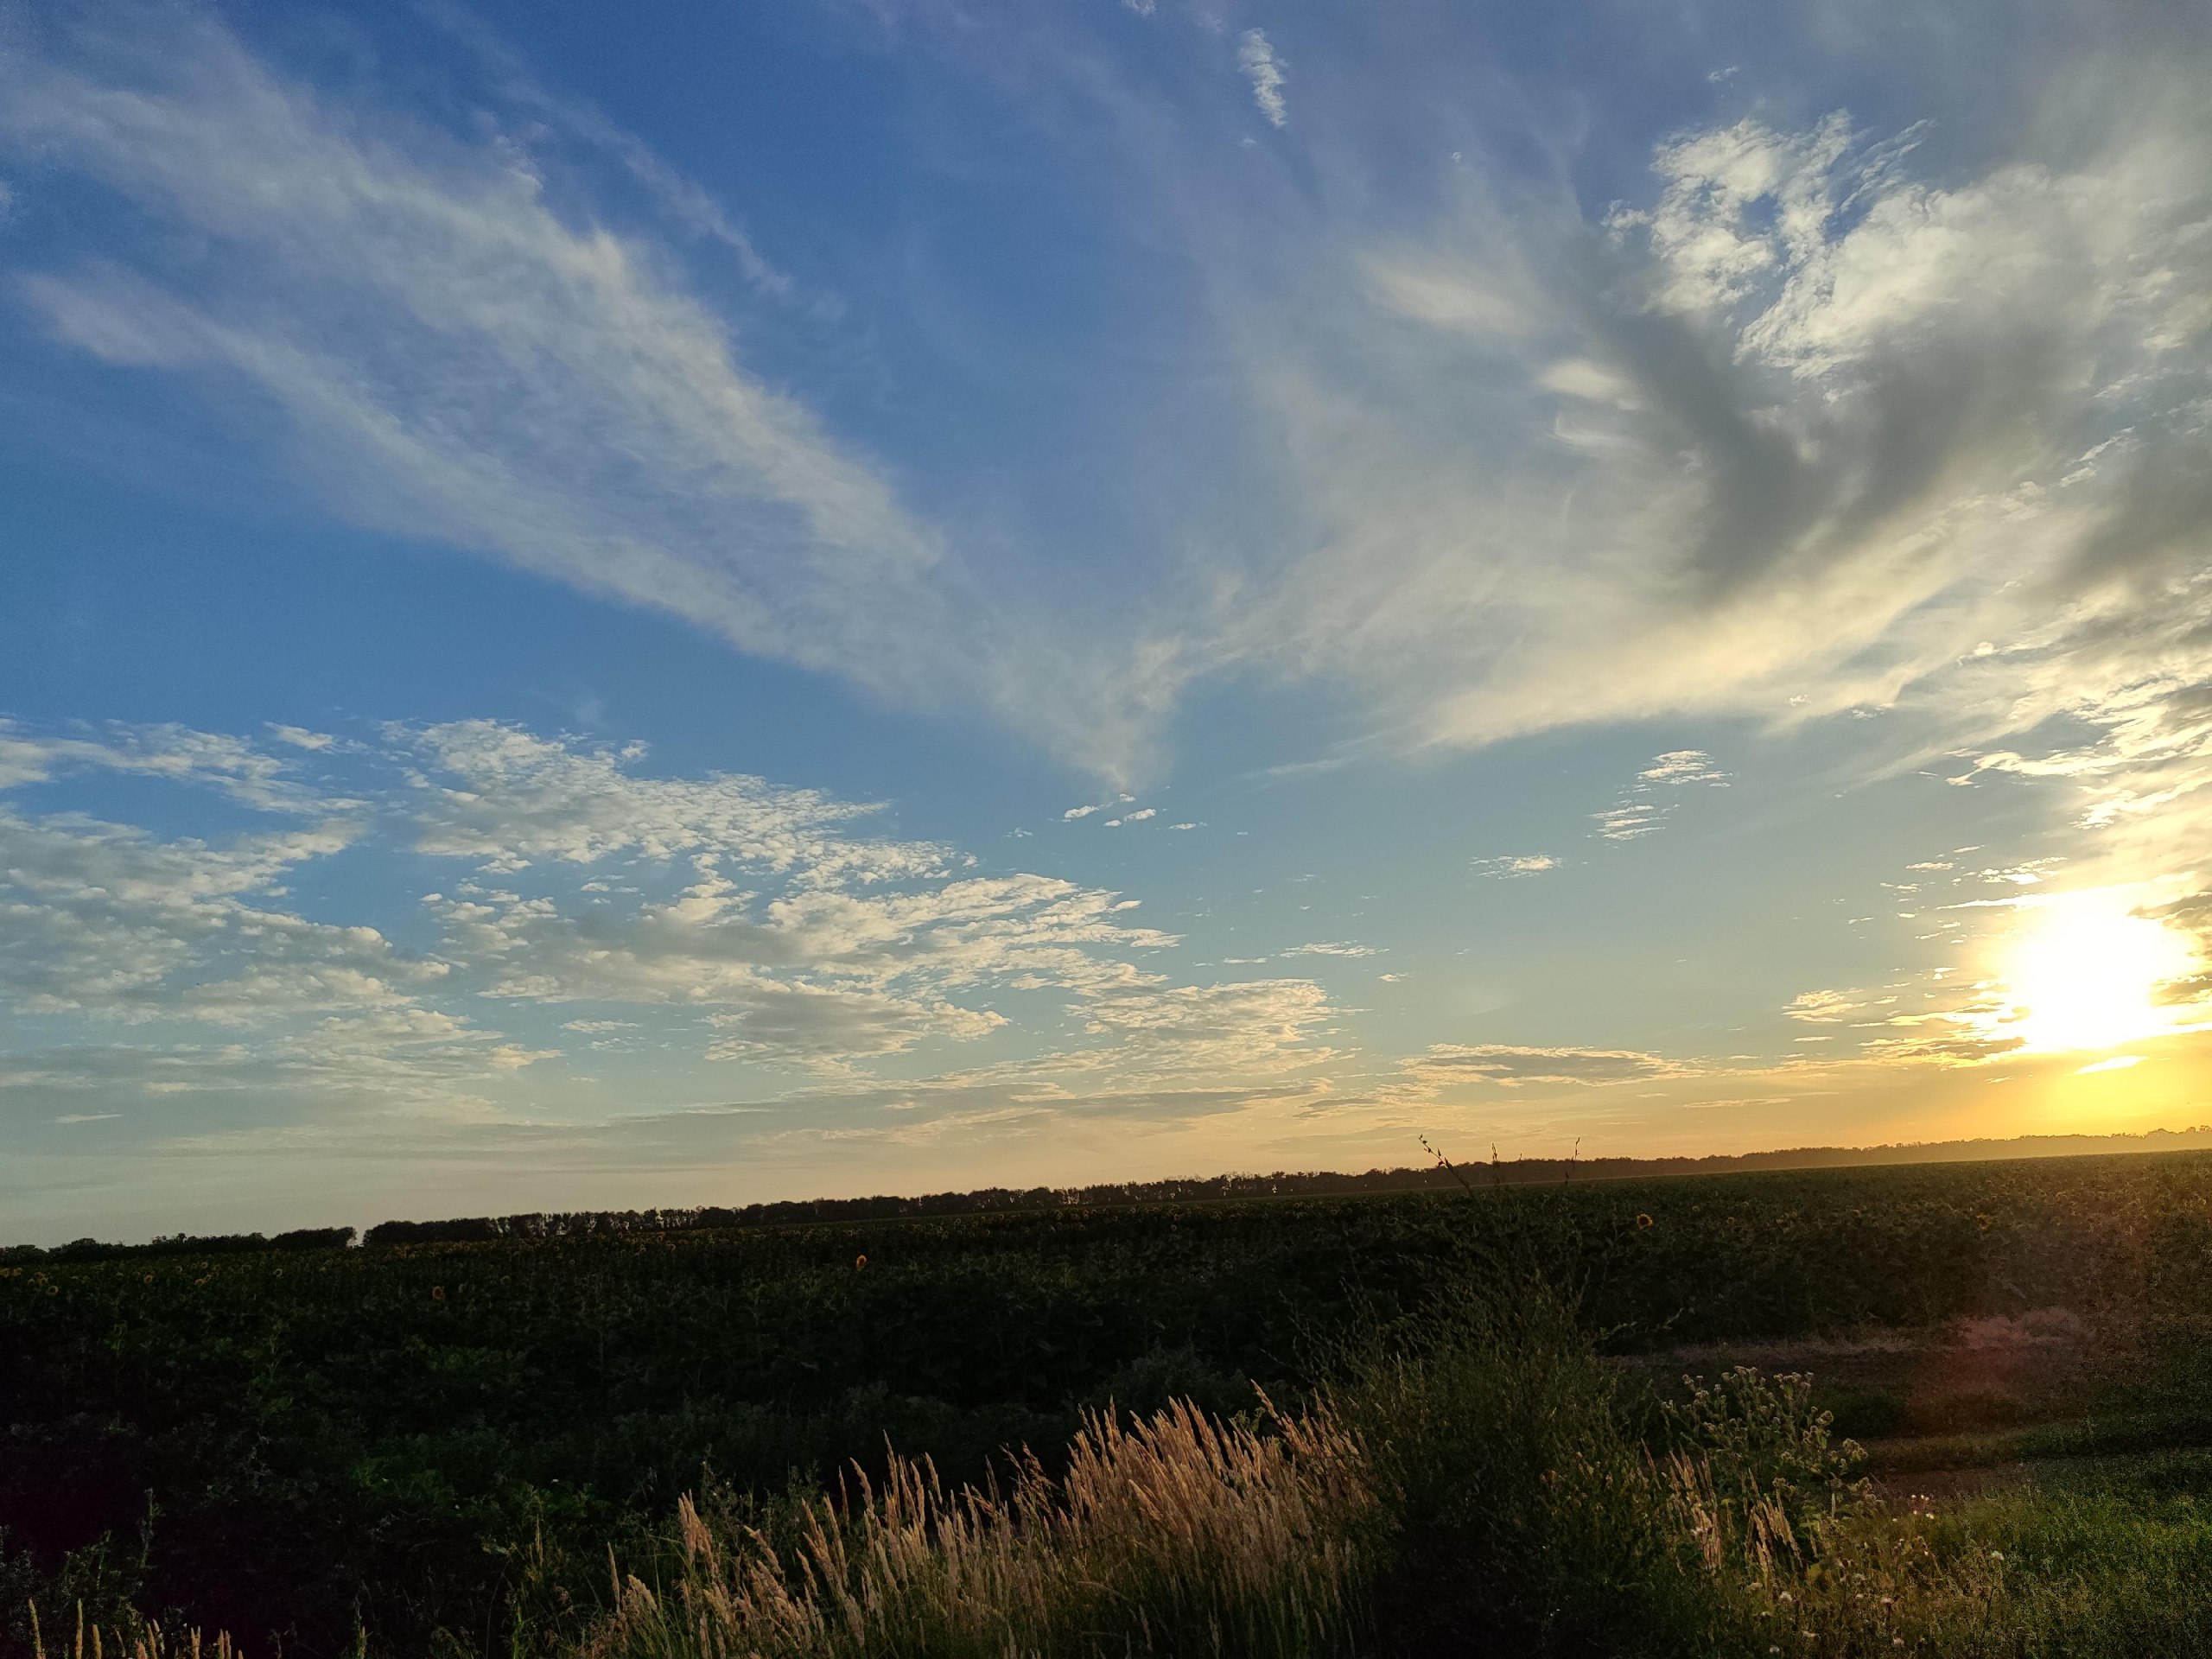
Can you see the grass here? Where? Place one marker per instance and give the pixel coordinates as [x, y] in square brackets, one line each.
[137, 1641]
[1175, 1535]
[432, 1450]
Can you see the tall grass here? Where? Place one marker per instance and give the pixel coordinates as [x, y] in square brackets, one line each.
[1177, 1534]
[141, 1639]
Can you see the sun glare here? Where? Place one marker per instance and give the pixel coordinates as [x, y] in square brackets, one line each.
[2085, 970]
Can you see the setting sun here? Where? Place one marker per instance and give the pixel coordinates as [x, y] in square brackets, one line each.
[2085, 971]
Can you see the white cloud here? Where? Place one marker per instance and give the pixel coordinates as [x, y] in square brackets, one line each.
[1825, 1007]
[1715, 181]
[459, 359]
[1644, 804]
[1682, 767]
[1256, 57]
[681, 199]
[1513, 864]
[1330, 949]
[507, 797]
[1505, 1064]
[746, 922]
[106, 920]
[170, 752]
[1815, 428]
[1216, 1031]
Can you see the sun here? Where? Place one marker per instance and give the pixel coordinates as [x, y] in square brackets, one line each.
[2085, 970]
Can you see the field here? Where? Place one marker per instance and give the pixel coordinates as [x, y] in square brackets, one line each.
[434, 1447]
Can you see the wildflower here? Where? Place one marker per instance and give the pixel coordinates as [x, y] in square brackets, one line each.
[859, 1262]
[437, 1293]
[1996, 1555]
[1643, 1220]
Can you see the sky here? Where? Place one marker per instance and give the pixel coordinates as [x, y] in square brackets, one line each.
[615, 606]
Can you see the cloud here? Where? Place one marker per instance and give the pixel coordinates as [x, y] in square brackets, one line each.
[507, 797]
[1642, 805]
[1949, 1044]
[680, 198]
[1504, 1063]
[2118, 1063]
[731, 919]
[1798, 429]
[1682, 767]
[174, 753]
[802, 940]
[299, 738]
[1817, 425]
[1256, 58]
[1825, 1007]
[800, 943]
[1246, 1030]
[457, 357]
[1513, 864]
[1330, 949]
[106, 926]
[106, 920]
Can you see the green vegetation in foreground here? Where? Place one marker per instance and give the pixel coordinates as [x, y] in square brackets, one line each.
[436, 1445]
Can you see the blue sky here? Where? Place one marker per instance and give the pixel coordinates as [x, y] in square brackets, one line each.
[607, 608]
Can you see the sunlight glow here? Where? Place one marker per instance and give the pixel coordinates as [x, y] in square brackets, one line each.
[2085, 970]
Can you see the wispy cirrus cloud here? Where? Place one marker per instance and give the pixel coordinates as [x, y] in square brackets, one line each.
[1255, 56]
[455, 356]
[1510, 1066]
[1797, 430]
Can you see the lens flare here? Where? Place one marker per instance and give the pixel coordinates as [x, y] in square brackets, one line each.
[2085, 972]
